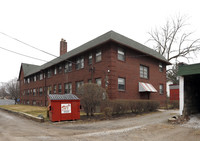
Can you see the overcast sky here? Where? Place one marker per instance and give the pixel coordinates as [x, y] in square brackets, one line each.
[42, 24]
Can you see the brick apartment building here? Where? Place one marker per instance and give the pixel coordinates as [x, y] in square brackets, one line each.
[125, 68]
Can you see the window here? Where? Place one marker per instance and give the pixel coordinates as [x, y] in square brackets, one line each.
[90, 81]
[68, 88]
[34, 92]
[79, 63]
[121, 84]
[54, 89]
[49, 73]
[160, 67]
[34, 102]
[28, 92]
[121, 54]
[55, 71]
[40, 91]
[68, 67]
[28, 80]
[49, 90]
[144, 72]
[59, 88]
[60, 69]
[98, 55]
[98, 81]
[90, 59]
[34, 78]
[161, 90]
[79, 84]
[41, 76]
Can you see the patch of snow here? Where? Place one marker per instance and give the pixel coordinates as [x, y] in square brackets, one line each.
[194, 122]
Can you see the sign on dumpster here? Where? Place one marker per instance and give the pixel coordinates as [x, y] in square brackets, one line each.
[66, 108]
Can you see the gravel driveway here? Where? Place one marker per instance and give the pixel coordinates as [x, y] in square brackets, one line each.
[147, 127]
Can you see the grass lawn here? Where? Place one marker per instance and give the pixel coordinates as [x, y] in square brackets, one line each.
[32, 110]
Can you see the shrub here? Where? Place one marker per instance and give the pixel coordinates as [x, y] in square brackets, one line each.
[91, 96]
[107, 112]
[134, 106]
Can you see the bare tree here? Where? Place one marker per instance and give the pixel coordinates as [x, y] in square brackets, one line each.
[12, 87]
[173, 42]
[91, 95]
[3, 92]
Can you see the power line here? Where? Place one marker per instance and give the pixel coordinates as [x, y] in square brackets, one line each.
[35, 47]
[28, 44]
[23, 54]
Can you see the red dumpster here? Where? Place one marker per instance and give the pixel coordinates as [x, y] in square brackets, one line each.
[63, 107]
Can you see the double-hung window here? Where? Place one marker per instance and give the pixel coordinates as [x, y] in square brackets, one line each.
[80, 63]
[90, 59]
[98, 56]
[98, 81]
[59, 88]
[49, 73]
[121, 84]
[121, 54]
[144, 72]
[68, 67]
[79, 84]
[161, 89]
[68, 88]
[41, 76]
[40, 91]
[160, 67]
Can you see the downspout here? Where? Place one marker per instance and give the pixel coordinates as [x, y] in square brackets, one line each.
[181, 95]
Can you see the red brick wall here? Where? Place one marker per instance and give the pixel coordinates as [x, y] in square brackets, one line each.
[128, 69]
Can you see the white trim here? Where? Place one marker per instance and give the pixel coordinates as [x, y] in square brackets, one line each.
[181, 94]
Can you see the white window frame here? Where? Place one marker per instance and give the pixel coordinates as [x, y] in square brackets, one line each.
[160, 67]
[60, 88]
[121, 54]
[161, 89]
[90, 59]
[121, 82]
[79, 84]
[68, 67]
[144, 72]
[80, 63]
[98, 56]
[68, 88]
[98, 81]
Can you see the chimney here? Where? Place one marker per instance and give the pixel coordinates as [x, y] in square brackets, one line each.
[63, 47]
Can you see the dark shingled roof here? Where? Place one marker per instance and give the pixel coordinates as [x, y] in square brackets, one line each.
[109, 36]
[189, 69]
[63, 97]
[28, 67]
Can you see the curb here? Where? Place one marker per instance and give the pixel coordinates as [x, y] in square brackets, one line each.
[28, 116]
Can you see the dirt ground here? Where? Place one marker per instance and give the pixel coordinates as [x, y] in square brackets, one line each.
[147, 127]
